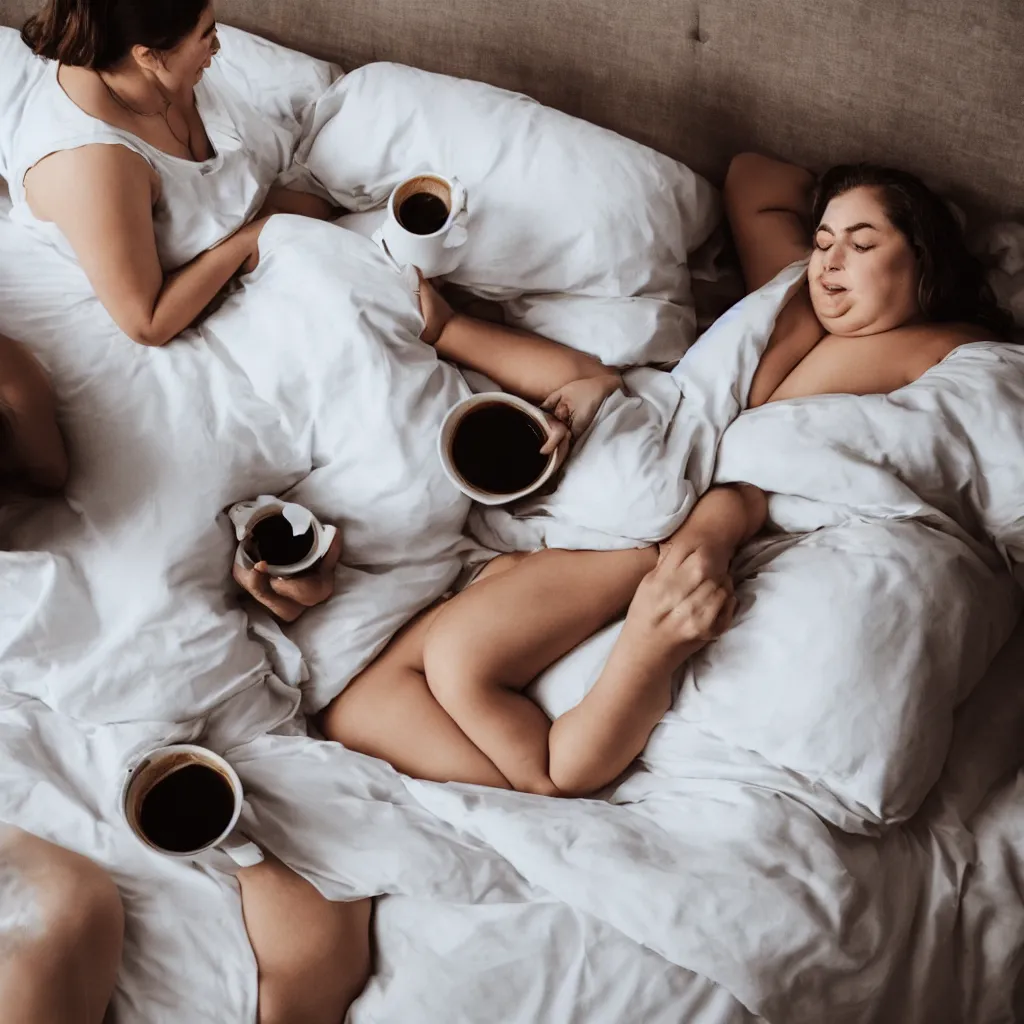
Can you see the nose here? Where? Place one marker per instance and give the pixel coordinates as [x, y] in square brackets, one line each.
[834, 257]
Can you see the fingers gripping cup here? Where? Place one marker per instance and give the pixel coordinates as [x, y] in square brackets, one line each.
[490, 447]
[183, 800]
[425, 224]
[287, 536]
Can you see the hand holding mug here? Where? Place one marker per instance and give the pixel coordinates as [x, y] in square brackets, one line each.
[288, 597]
[578, 402]
[435, 309]
[425, 224]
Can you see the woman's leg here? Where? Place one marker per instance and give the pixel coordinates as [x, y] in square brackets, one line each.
[482, 647]
[313, 955]
[388, 711]
[61, 930]
[485, 646]
[479, 650]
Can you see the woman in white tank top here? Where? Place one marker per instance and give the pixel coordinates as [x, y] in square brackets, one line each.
[157, 178]
[139, 159]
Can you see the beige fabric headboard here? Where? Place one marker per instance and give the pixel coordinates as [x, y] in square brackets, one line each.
[935, 86]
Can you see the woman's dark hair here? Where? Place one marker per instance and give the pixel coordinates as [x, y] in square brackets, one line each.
[951, 282]
[98, 34]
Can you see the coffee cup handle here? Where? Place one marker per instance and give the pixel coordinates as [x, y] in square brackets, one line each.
[242, 850]
[458, 197]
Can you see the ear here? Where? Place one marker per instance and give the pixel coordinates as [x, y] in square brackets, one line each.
[147, 58]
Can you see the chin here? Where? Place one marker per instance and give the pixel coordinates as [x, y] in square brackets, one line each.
[831, 316]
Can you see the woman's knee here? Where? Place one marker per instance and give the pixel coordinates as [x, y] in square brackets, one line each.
[70, 904]
[455, 662]
[82, 907]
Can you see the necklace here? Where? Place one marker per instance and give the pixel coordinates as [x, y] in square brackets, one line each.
[186, 142]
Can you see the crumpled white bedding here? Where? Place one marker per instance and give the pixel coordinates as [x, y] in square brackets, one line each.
[743, 869]
[584, 233]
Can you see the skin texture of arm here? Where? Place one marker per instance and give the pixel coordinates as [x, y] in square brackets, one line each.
[768, 206]
[303, 204]
[101, 197]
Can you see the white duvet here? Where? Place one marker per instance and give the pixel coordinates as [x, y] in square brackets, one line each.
[755, 863]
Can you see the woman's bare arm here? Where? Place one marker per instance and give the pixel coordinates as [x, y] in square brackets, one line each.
[768, 205]
[101, 197]
[526, 364]
[596, 740]
[523, 363]
[303, 204]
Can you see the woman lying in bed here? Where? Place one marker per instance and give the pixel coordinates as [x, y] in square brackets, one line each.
[130, 162]
[891, 290]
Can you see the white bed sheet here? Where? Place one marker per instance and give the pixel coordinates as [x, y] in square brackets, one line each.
[683, 880]
[478, 930]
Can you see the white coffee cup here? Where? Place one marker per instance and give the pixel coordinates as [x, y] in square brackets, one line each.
[450, 425]
[245, 515]
[436, 253]
[154, 767]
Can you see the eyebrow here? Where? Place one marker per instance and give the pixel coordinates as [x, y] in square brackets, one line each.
[850, 230]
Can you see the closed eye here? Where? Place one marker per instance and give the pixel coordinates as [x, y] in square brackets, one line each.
[862, 248]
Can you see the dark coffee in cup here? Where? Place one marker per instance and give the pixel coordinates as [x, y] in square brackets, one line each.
[187, 808]
[272, 540]
[422, 213]
[422, 204]
[496, 448]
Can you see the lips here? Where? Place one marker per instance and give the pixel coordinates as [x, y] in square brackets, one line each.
[831, 288]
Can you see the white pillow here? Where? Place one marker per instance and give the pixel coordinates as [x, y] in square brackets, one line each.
[556, 205]
[19, 68]
[281, 83]
[852, 647]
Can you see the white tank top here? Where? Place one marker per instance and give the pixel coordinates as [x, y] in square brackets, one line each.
[200, 203]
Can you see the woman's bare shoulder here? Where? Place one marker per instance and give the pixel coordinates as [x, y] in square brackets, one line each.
[95, 169]
[926, 345]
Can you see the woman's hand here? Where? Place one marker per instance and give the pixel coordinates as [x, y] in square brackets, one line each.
[435, 309]
[289, 597]
[681, 605]
[559, 439]
[578, 402]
